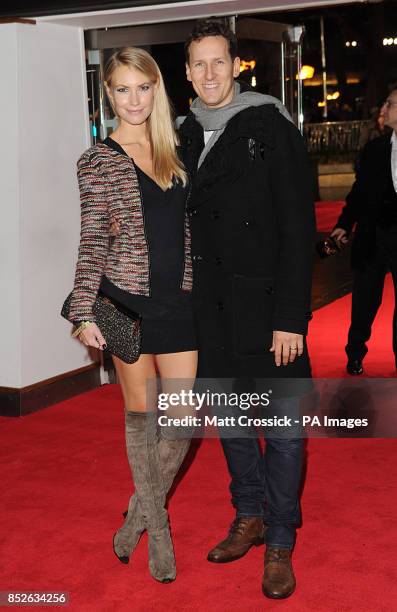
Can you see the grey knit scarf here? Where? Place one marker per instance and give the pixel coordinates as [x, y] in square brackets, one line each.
[216, 119]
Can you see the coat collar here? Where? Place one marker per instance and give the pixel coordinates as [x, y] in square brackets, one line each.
[254, 122]
[382, 142]
[221, 165]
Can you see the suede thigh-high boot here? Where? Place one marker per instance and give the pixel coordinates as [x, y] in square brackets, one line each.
[172, 448]
[143, 457]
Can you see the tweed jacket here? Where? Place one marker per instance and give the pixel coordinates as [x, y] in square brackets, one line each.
[110, 192]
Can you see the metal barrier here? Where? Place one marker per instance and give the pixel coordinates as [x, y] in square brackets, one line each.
[336, 138]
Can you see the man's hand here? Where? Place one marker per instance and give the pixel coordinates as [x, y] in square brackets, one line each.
[286, 346]
[340, 236]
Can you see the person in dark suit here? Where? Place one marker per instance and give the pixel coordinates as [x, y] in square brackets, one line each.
[372, 206]
[252, 225]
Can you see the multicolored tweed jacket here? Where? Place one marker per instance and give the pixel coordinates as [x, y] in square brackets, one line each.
[110, 191]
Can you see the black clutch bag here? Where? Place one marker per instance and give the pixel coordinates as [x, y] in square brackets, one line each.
[120, 327]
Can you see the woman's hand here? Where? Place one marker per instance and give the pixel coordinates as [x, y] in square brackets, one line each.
[114, 229]
[91, 336]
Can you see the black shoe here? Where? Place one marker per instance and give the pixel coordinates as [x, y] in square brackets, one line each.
[355, 366]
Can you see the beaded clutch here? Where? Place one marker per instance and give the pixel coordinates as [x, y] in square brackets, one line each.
[120, 328]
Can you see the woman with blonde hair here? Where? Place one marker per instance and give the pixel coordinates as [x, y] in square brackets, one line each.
[135, 249]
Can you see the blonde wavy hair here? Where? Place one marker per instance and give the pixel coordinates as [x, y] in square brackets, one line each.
[162, 134]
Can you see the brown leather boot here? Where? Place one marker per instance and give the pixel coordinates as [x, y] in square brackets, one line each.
[244, 532]
[278, 579]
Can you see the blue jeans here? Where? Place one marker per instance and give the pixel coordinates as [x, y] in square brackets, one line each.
[267, 484]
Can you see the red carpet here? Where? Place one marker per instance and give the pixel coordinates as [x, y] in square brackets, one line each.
[327, 214]
[328, 336]
[65, 481]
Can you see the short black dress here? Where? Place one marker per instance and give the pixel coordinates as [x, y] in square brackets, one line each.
[167, 315]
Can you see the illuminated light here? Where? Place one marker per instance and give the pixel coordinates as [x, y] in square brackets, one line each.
[331, 81]
[347, 44]
[253, 81]
[354, 43]
[244, 65]
[306, 72]
[385, 42]
[321, 104]
[390, 41]
[395, 41]
[333, 96]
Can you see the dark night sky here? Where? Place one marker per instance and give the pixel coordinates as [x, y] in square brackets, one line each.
[372, 63]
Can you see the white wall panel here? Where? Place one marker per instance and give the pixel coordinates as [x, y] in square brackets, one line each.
[10, 303]
[53, 133]
[46, 124]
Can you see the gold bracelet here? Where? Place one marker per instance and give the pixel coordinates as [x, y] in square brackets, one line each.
[80, 328]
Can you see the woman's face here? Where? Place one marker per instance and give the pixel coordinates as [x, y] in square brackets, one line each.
[132, 95]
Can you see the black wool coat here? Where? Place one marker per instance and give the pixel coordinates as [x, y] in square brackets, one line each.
[371, 201]
[252, 225]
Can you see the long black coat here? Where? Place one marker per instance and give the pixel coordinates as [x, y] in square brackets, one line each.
[371, 201]
[252, 225]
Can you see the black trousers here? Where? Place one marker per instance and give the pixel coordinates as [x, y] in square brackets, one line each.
[368, 291]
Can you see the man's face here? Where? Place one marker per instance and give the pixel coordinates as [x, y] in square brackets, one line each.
[212, 71]
[389, 110]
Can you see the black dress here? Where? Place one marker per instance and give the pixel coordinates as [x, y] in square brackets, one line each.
[167, 315]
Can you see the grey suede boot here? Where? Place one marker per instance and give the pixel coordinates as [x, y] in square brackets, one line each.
[172, 451]
[144, 460]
